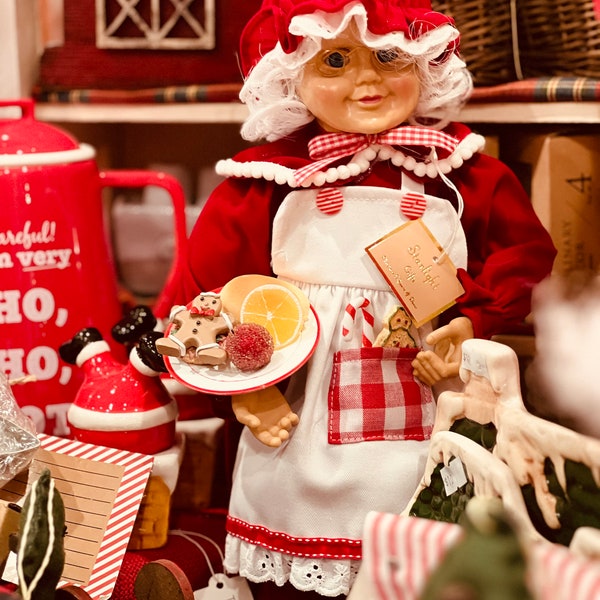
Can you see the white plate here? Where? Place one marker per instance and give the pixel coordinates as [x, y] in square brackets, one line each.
[230, 380]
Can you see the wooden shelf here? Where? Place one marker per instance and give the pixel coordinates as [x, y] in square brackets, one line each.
[233, 112]
[218, 112]
[532, 112]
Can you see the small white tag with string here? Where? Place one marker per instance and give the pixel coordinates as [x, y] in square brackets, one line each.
[223, 587]
[454, 476]
[220, 586]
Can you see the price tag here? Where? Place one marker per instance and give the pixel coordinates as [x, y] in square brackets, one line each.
[222, 587]
[418, 270]
[453, 476]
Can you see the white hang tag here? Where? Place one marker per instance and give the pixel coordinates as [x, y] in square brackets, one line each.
[453, 476]
[222, 587]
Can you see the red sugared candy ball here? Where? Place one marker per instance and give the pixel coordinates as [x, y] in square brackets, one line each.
[249, 346]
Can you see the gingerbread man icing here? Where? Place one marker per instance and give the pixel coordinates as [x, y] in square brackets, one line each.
[195, 332]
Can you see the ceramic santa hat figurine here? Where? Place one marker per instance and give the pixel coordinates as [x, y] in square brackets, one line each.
[126, 406]
[119, 406]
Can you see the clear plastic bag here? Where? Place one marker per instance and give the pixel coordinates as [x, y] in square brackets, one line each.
[18, 437]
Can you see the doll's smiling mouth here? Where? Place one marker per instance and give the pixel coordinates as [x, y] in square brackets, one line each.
[369, 100]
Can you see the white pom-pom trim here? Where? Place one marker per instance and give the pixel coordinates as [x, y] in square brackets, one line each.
[358, 164]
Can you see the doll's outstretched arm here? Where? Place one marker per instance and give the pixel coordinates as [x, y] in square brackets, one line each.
[443, 362]
[267, 414]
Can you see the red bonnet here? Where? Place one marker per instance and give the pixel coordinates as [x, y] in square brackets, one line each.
[271, 23]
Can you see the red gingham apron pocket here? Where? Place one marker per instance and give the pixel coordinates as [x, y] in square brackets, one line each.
[374, 396]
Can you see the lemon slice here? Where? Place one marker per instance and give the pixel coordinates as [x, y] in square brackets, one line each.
[276, 308]
[235, 291]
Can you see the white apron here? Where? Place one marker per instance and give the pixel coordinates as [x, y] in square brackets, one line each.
[305, 503]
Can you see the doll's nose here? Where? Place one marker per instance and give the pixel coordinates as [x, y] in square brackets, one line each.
[365, 70]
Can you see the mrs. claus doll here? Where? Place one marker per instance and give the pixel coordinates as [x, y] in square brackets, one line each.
[356, 100]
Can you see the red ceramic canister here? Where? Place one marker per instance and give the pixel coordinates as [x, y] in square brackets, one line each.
[57, 273]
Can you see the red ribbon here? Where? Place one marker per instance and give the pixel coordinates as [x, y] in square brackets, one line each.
[202, 312]
[327, 148]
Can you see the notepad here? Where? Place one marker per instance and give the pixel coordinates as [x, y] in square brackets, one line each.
[102, 489]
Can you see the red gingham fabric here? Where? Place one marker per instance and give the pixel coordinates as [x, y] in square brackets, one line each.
[327, 148]
[374, 396]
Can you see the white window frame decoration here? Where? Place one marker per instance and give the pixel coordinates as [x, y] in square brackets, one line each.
[156, 33]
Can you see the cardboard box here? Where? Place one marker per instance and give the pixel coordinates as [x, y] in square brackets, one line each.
[561, 172]
[492, 145]
[196, 477]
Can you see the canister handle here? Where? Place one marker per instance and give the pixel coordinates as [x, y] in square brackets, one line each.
[26, 105]
[141, 178]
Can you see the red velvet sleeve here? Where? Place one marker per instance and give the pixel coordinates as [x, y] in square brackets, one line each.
[509, 249]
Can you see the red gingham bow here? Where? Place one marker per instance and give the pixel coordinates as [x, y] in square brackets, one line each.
[329, 147]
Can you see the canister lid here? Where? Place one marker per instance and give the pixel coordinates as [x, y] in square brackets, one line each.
[25, 140]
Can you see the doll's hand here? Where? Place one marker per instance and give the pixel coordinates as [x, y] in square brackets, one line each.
[267, 414]
[443, 362]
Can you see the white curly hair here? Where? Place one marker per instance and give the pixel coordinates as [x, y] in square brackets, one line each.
[270, 89]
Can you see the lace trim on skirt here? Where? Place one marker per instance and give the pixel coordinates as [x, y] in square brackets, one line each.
[328, 577]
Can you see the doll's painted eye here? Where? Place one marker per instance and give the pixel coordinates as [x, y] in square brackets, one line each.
[336, 59]
[387, 56]
[334, 62]
[391, 59]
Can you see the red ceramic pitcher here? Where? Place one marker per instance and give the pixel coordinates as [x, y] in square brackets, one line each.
[57, 273]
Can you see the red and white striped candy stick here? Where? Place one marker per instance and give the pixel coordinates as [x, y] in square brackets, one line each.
[349, 320]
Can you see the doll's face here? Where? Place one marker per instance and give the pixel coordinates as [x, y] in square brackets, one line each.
[351, 88]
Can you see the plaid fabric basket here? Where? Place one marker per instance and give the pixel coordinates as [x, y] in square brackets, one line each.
[485, 37]
[373, 395]
[559, 37]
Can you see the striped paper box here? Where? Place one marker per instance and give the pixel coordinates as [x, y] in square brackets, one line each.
[400, 553]
[101, 489]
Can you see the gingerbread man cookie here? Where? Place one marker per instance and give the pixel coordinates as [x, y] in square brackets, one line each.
[396, 330]
[195, 332]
